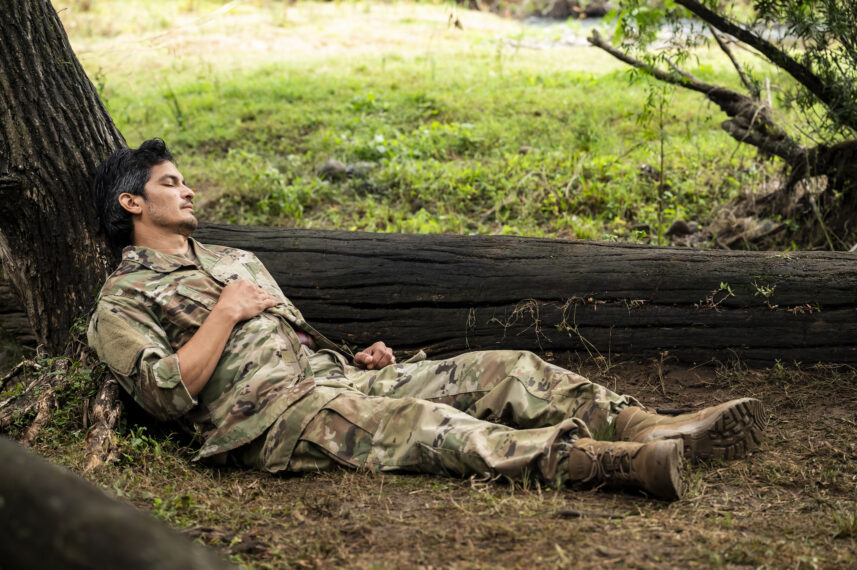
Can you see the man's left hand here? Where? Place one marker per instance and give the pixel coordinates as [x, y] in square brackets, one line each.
[375, 357]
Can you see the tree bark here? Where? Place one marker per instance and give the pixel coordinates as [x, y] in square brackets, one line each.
[50, 518]
[53, 132]
[447, 294]
[13, 319]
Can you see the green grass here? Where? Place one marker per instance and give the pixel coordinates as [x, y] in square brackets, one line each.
[461, 134]
[445, 155]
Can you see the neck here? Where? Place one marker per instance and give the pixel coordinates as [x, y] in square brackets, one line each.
[169, 243]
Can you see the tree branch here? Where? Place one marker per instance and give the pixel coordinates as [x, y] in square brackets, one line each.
[750, 121]
[745, 79]
[781, 59]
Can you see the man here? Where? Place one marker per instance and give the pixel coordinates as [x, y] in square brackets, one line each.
[203, 334]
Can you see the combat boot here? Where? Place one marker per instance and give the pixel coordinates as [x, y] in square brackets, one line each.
[653, 467]
[727, 431]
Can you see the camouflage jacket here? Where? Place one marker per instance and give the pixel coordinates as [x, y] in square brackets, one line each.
[153, 303]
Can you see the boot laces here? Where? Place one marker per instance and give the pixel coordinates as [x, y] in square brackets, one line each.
[608, 464]
[613, 465]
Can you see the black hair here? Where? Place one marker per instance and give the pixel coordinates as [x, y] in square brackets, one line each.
[125, 170]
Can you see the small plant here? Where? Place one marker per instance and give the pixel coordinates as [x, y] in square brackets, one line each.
[712, 301]
[174, 106]
[845, 522]
[765, 291]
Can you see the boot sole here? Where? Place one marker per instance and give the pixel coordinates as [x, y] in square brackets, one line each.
[731, 432]
[667, 461]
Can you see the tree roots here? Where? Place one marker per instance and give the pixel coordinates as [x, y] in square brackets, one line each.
[66, 393]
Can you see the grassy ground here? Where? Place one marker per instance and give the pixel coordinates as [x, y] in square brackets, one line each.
[793, 504]
[496, 128]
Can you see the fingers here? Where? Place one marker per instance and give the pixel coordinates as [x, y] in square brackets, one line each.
[363, 359]
[375, 357]
[267, 299]
[245, 300]
[383, 357]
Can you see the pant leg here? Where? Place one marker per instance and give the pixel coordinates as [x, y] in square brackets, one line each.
[409, 434]
[515, 387]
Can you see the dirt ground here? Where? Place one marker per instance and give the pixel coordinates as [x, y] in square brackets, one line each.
[792, 504]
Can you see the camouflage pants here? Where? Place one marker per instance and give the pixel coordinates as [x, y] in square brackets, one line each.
[481, 413]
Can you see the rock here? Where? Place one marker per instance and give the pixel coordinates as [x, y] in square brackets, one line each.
[525, 149]
[649, 171]
[597, 8]
[559, 9]
[564, 9]
[332, 169]
[681, 228]
[359, 169]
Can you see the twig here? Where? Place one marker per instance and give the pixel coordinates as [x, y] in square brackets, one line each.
[575, 514]
[745, 79]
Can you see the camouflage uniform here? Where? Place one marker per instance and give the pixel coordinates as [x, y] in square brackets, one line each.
[276, 405]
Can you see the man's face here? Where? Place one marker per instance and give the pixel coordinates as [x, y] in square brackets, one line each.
[168, 202]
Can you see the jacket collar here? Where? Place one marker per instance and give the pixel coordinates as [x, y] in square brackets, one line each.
[166, 263]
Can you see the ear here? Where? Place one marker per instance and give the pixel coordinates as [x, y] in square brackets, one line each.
[131, 202]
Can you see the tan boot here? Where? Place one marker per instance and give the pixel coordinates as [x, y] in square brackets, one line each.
[727, 431]
[653, 467]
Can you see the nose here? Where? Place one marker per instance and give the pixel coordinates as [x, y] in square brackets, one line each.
[188, 192]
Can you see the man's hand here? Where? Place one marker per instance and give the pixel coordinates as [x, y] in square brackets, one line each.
[375, 357]
[239, 301]
[242, 300]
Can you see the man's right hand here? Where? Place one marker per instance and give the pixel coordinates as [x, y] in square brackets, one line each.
[242, 300]
[239, 301]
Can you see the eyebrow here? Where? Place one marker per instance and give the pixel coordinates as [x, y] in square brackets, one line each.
[167, 177]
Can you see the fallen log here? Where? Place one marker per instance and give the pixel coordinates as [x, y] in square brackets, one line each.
[53, 519]
[447, 294]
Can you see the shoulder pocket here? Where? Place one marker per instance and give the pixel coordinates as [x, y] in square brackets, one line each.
[118, 342]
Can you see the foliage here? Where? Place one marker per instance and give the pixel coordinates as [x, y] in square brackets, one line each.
[816, 34]
[822, 36]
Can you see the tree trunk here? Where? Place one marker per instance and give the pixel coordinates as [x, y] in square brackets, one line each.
[53, 132]
[448, 294]
[13, 319]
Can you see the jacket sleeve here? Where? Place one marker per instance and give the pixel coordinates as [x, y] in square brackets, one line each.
[129, 338]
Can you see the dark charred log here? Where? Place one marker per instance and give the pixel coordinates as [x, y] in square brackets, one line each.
[448, 294]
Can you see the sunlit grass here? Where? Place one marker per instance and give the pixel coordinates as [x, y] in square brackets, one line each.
[455, 131]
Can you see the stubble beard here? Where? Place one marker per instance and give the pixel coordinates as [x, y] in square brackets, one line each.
[186, 227]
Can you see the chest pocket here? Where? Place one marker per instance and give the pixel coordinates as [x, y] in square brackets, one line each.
[188, 308]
